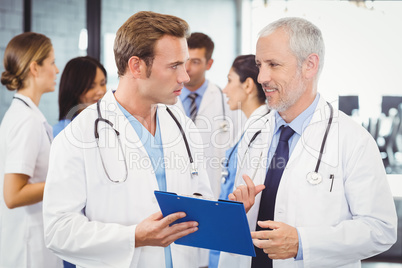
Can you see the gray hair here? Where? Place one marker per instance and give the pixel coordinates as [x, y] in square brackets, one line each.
[304, 38]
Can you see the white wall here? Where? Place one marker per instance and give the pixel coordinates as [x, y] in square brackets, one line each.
[363, 45]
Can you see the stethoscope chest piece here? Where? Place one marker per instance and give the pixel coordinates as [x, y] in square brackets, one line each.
[314, 178]
[224, 127]
[194, 170]
[224, 174]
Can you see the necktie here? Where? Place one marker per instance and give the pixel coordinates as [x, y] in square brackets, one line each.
[272, 179]
[193, 106]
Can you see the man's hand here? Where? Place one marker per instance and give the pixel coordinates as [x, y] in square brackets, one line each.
[246, 193]
[155, 230]
[282, 242]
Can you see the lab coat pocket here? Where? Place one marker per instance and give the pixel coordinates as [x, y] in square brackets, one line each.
[324, 201]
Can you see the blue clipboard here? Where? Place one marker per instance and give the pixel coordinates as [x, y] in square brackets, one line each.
[222, 225]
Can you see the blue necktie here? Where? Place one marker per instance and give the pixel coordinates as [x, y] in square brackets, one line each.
[272, 179]
[193, 106]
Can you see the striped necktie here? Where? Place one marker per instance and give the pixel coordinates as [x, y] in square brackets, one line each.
[193, 106]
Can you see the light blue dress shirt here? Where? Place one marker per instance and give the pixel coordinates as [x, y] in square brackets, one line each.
[154, 148]
[186, 100]
[298, 124]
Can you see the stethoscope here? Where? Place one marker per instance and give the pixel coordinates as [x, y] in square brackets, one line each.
[225, 162]
[47, 133]
[194, 170]
[224, 127]
[314, 177]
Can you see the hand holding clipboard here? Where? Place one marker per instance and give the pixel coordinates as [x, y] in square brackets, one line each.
[222, 225]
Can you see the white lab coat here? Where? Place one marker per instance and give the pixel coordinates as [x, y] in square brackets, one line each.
[90, 220]
[209, 121]
[25, 138]
[338, 228]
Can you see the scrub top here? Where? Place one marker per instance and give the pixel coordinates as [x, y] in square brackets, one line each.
[60, 126]
[25, 139]
[154, 148]
[227, 184]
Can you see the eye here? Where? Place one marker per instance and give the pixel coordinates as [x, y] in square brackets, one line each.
[258, 65]
[272, 64]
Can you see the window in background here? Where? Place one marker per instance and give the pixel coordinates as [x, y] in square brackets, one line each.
[64, 22]
[11, 18]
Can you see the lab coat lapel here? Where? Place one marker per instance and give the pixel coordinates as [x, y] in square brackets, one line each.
[311, 139]
[210, 99]
[130, 140]
[179, 105]
[173, 146]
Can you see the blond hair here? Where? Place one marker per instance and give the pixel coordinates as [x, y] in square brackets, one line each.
[20, 52]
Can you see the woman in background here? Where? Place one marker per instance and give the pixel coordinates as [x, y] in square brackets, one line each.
[25, 138]
[245, 93]
[82, 83]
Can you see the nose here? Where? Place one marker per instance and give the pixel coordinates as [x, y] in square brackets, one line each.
[183, 77]
[264, 75]
[188, 67]
[224, 90]
[57, 70]
[101, 90]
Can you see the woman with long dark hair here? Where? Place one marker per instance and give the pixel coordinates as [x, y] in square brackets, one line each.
[82, 83]
[244, 93]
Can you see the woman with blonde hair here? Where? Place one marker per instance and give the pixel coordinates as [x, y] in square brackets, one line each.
[25, 138]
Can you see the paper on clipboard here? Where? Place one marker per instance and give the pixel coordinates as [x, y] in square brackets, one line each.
[222, 225]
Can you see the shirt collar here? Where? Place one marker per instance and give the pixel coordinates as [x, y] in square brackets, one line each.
[200, 91]
[32, 105]
[301, 121]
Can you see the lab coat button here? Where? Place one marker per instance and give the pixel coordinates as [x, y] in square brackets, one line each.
[280, 211]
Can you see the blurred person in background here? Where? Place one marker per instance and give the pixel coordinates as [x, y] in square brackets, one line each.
[219, 126]
[204, 102]
[246, 94]
[25, 138]
[82, 83]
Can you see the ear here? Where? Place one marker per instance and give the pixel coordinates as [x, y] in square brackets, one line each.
[34, 68]
[310, 66]
[209, 64]
[248, 85]
[135, 66]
